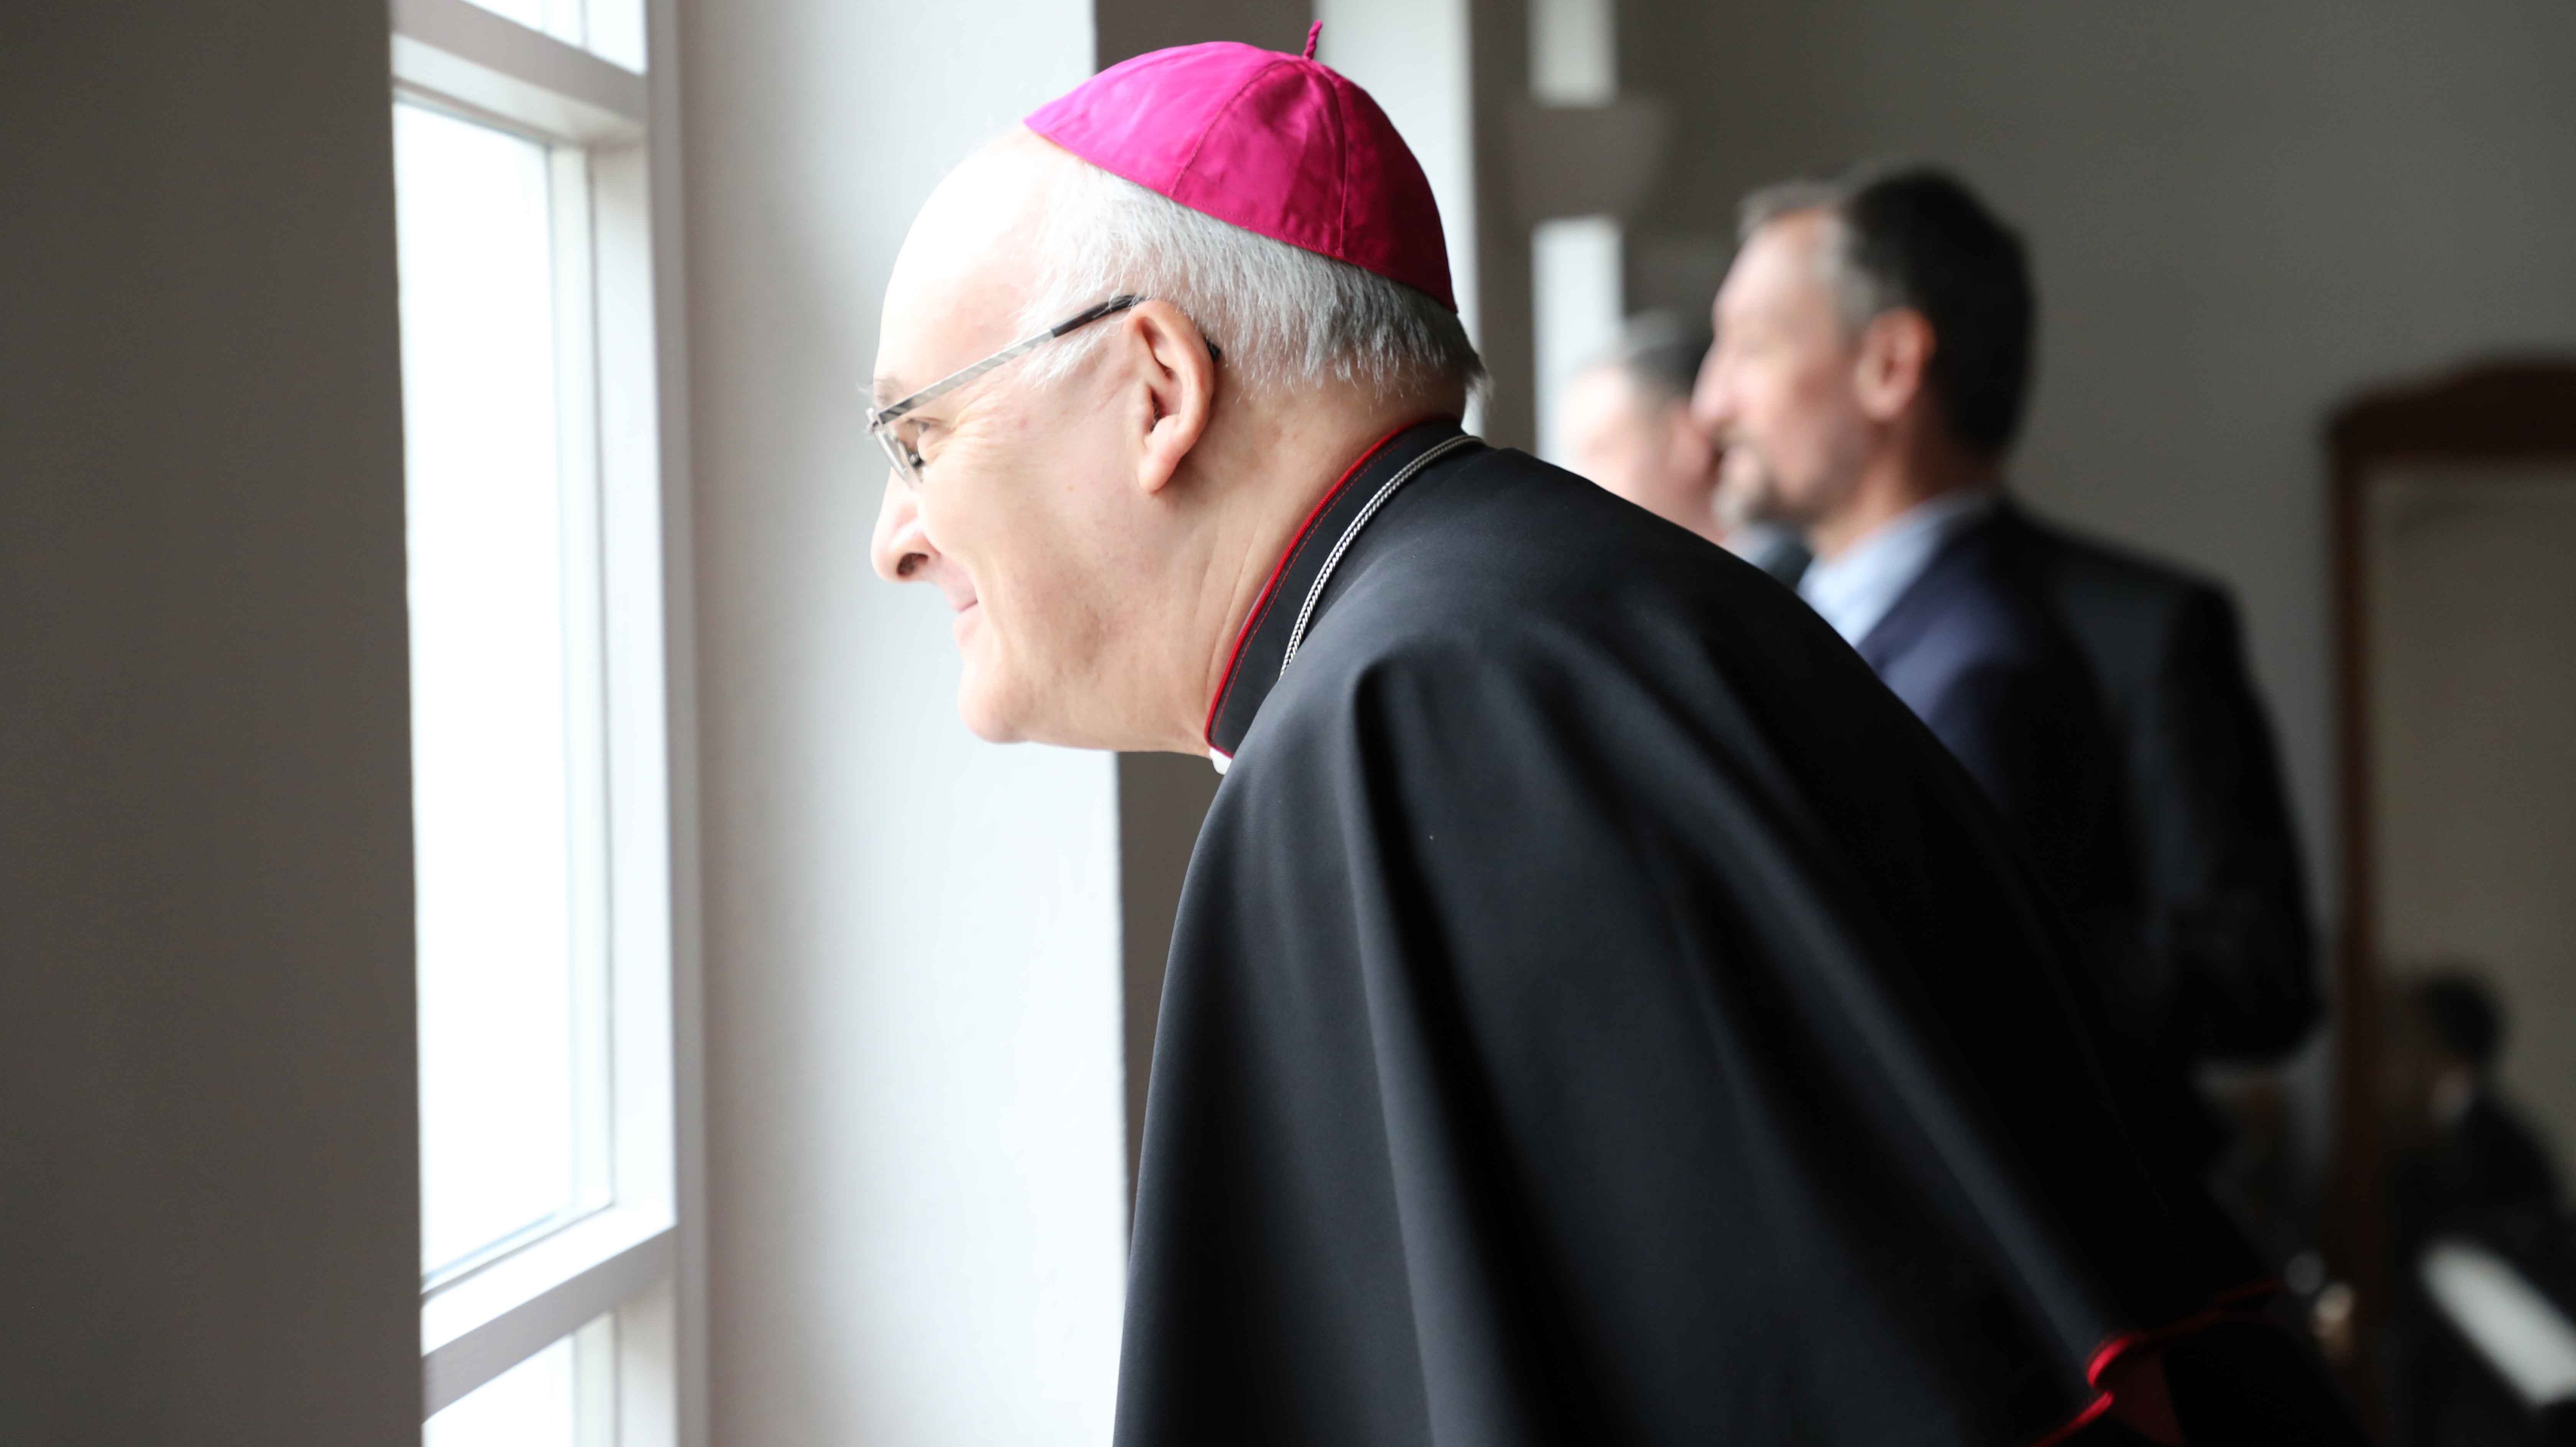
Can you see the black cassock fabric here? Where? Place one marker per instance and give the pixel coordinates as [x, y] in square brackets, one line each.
[1599, 1012]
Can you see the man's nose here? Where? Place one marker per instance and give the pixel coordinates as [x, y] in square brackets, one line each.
[900, 549]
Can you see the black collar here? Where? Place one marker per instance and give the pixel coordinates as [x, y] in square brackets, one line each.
[1261, 649]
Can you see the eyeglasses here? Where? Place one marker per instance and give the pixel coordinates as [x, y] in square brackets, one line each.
[886, 423]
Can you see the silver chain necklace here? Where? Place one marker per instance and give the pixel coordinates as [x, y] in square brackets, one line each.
[1333, 559]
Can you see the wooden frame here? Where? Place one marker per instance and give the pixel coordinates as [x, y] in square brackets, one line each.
[2503, 412]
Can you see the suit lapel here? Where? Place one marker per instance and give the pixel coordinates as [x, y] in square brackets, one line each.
[1919, 606]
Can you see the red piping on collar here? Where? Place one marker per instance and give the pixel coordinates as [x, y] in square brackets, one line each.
[2234, 1302]
[1270, 590]
[2237, 1302]
[2083, 1419]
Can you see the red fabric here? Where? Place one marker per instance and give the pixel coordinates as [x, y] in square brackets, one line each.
[1261, 605]
[2236, 1301]
[2083, 1419]
[1277, 144]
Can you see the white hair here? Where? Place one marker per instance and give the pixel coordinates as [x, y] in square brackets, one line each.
[1285, 318]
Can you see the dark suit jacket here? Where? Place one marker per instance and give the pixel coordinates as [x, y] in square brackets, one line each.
[1977, 648]
[2489, 1162]
[1974, 647]
[2226, 969]
[2227, 922]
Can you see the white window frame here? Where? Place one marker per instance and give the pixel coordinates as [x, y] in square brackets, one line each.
[637, 1259]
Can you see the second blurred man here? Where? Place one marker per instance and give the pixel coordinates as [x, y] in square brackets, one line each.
[1628, 427]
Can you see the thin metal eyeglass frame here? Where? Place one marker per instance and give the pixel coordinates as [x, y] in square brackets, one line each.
[907, 463]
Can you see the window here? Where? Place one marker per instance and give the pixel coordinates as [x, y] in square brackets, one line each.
[547, 1400]
[550, 999]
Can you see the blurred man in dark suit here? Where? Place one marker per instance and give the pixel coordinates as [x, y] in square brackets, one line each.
[2458, 1151]
[2465, 1169]
[1873, 355]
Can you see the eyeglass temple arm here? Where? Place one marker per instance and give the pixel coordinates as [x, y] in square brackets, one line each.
[1022, 347]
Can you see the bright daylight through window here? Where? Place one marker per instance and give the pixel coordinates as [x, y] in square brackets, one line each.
[540, 776]
[510, 1138]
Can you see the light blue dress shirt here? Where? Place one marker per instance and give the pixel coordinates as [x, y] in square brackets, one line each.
[1854, 591]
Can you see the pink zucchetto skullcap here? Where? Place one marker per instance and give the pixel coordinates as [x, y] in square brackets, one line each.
[1276, 144]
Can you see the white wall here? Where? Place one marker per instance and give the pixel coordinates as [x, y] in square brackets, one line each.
[916, 1195]
[209, 1190]
[1577, 303]
[1412, 57]
[2242, 215]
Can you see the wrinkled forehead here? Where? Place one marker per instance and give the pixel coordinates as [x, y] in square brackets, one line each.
[968, 265]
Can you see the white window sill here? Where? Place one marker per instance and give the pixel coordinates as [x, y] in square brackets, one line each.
[475, 1328]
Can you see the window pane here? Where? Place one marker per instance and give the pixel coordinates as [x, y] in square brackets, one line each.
[559, 18]
[617, 32]
[537, 1403]
[491, 805]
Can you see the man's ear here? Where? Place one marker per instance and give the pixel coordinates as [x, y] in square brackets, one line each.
[1179, 376]
[1894, 362]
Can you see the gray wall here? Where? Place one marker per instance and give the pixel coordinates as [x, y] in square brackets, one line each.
[2472, 636]
[1132, 27]
[208, 1181]
[2242, 215]
[1162, 798]
[916, 1197]
[1162, 801]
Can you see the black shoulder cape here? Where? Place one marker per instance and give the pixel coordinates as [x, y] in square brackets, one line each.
[1599, 1012]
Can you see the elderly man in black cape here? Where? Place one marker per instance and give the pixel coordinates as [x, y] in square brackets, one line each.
[1598, 1011]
